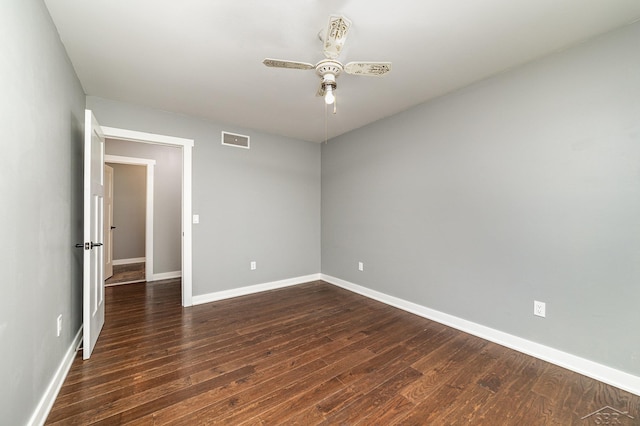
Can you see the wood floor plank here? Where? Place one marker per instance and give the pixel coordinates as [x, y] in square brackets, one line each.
[257, 406]
[457, 382]
[550, 382]
[396, 408]
[309, 354]
[476, 394]
[443, 368]
[226, 407]
[291, 407]
[514, 391]
[376, 397]
[241, 396]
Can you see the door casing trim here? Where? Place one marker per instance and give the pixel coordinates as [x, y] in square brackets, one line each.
[187, 232]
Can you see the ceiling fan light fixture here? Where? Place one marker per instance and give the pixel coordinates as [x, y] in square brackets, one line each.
[330, 68]
[329, 85]
[329, 97]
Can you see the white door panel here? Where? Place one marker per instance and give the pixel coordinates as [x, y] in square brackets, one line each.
[93, 265]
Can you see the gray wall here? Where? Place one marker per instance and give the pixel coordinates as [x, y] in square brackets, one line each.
[129, 210]
[261, 204]
[41, 122]
[167, 199]
[524, 186]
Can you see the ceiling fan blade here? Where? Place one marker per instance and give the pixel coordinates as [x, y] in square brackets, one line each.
[336, 35]
[375, 69]
[278, 63]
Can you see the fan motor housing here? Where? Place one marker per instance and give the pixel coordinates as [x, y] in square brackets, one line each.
[328, 67]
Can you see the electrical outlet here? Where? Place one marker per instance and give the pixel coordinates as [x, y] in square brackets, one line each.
[360, 266]
[539, 309]
[59, 325]
[253, 265]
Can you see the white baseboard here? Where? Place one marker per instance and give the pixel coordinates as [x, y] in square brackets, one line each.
[116, 262]
[603, 373]
[166, 275]
[243, 291]
[46, 402]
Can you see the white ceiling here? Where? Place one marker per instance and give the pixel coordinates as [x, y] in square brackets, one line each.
[204, 57]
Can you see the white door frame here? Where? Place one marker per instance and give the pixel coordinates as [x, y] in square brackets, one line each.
[148, 221]
[108, 222]
[187, 237]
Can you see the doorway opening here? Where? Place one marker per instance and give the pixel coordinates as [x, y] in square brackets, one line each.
[149, 166]
[186, 147]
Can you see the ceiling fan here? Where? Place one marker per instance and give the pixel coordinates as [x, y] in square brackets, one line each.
[330, 68]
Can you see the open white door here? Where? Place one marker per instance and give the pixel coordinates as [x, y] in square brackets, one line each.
[93, 264]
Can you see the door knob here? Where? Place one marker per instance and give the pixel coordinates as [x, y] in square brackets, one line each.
[113, 227]
[95, 244]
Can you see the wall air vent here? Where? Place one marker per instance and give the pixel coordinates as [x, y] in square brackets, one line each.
[232, 139]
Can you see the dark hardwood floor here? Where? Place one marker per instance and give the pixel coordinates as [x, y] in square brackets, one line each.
[127, 274]
[312, 354]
